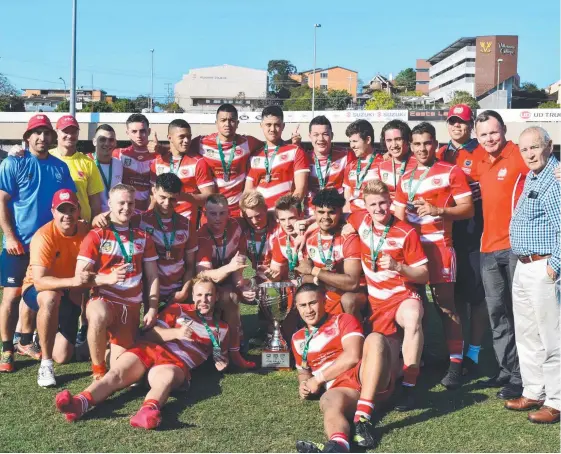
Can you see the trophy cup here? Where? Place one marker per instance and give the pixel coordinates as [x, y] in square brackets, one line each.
[273, 300]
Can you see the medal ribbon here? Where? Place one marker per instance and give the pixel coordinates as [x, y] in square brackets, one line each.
[324, 259]
[402, 167]
[412, 191]
[375, 252]
[292, 258]
[269, 164]
[321, 179]
[360, 180]
[106, 182]
[220, 258]
[226, 166]
[126, 258]
[214, 339]
[309, 339]
[168, 243]
[257, 254]
[172, 165]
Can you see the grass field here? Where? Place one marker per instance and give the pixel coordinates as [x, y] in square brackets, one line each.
[260, 412]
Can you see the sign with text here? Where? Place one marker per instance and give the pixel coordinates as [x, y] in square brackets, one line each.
[428, 115]
[528, 115]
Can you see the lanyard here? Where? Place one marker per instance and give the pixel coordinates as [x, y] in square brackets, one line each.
[321, 179]
[226, 166]
[292, 258]
[327, 261]
[106, 181]
[401, 169]
[269, 164]
[309, 339]
[127, 257]
[168, 243]
[375, 252]
[359, 179]
[412, 191]
[214, 339]
[172, 165]
[257, 254]
[223, 257]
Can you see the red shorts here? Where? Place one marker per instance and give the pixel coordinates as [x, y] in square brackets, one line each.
[152, 355]
[333, 304]
[123, 322]
[351, 379]
[442, 263]
[383, 312]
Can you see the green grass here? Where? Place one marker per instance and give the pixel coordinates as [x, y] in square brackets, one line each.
[260, 412]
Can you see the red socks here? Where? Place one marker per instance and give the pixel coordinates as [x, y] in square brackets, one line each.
[364, 408]
[148, 417]
[410, 374]
[73, 407]
[341, 439]
[99, 370]
[456, 350]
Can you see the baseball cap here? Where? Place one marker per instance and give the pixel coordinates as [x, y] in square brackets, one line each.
[38, 121]
[462, 111]
[63, 196]
[65, 121]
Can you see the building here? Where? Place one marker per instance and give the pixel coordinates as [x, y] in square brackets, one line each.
[332, 78]
[554, 92]
[61, 94]
[204, 89]
[473, 64]
[42, 104]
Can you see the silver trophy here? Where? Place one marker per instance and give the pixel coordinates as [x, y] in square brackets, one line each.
[273, 300]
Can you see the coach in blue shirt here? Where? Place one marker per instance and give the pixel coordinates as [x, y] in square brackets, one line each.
[27, 186]
[535, 234]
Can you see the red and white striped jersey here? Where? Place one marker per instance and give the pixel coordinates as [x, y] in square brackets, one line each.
[345, 247]
[195, 351]
[101, 249]
[289, 161]
[170, 271]
[267, 235]
[136, 173]
[340, 158]
[232, 189]
[210, 253]
[192, 170]
[355, 199]
[401, 243]
[326, 344]
[279, 256]
[443, 185]
[390, 173]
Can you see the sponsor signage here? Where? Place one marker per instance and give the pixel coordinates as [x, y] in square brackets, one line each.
[529, 115]
[428, 115]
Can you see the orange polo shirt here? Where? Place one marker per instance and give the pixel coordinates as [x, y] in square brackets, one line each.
[501, 183]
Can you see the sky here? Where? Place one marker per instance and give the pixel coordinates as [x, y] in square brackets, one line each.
[114, 37]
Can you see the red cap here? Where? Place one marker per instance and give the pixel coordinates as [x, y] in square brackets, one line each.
[38, 121]
[65, 196]
[66, 121]
[462, 111]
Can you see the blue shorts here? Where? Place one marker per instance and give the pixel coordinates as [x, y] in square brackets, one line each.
[13, 269]
[68, 312]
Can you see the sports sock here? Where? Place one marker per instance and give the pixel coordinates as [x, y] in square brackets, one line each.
[99, 369]
[364, 408]
[47, 362]
[26, 338]
[456, 349]
[341, 439]
[473, 353]
[148, 417]
[8, 346]
[410, 374]
[74, 407]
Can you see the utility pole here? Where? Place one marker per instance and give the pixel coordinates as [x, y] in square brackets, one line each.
[316, 26]
[73, 62]
[152, 83]
[168, 89]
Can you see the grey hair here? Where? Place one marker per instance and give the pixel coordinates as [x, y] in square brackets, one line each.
[544, 135]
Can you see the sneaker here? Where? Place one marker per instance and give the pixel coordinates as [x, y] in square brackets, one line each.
[364, 434]
[310, 446]
[406, 399]
[453, 378]
[32, 350]
[46, 376]
[82, 335]
[7, 362]
[469, 367]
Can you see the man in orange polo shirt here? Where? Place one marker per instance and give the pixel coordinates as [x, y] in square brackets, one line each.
[503, 173]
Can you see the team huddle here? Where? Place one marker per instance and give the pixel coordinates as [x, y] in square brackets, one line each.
[142, 254]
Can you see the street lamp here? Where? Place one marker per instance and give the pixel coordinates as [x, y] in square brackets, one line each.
[316, 26]
[64, 82]
[499, 61]
[152, 83]
[73, 62]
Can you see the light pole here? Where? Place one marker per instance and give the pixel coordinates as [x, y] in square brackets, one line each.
[73, 62]
[316, 26]
[152, 83]
[64, 82]
[499, 61]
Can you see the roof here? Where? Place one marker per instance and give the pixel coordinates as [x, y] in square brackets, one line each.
[451, 49]
[327, 69]
[381, 79]
[44, 99]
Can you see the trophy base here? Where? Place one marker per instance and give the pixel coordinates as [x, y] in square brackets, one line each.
[279, 360]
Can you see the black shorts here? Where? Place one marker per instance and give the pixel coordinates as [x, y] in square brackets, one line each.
[68, 313]
[13, 269]
[469, 286]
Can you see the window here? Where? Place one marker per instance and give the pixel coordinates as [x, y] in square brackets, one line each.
[323, 75]
[207, 101]
[323, 86]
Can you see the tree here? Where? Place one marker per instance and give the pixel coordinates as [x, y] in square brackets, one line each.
[171, 107]
[529, 96]
[463, 97]
[338, 99]
[141, 102]
[380, 100]
[63, 106]
[97, 106]
[6, 87]
[10, 100]
[530, 87]
[280, 82]
[124, 105]
[549, 105]
[406, 79]
[301, 99]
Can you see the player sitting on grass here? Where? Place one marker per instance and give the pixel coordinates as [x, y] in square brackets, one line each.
[181, 341]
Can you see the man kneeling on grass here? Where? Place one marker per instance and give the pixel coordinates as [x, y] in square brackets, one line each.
[328, 354]
[182, 340]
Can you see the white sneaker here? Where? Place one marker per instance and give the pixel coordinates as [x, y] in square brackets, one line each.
[46, 376]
